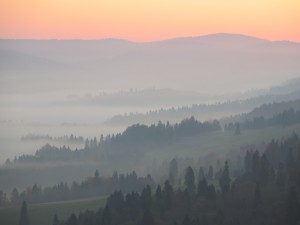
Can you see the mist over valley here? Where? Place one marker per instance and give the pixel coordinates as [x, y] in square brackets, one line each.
[150, 131]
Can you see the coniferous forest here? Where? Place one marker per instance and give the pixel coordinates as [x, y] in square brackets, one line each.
[256, 184]
[265, 192]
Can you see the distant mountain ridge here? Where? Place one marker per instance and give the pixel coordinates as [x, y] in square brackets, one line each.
[211, 63]
[212, 36]
[109, 48]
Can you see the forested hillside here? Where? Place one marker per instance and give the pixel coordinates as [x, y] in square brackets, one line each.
[265, 192]
[132, 140]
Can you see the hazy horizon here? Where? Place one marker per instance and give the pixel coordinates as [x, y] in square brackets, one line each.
[151, 41]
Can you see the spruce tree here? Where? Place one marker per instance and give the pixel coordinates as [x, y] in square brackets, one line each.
[167, 195]
[55, 220]
[257, 196]
[247, 162]
[15, 196]
[200, 174]
[237, 129]
[255, 165]
[210, 174]
[106, 216]
[24, 218]
[189, 180]
[158, 193]
[173, 172]
[146, 197]
[225, 179]
[211, 192]
[280, 179]
[147, 218]
[264, 169]
[72, 220]
[202, 187]
[220, 217]
[293, 209]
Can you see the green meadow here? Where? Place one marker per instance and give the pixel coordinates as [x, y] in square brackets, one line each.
[42, 214]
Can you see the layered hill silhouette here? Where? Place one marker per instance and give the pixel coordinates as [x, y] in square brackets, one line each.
[206, 63]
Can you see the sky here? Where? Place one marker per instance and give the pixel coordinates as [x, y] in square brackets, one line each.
[145, 20]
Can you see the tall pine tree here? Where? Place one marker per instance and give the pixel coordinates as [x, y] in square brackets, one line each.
[189, 180]
[225, 179]
[293, 208]
[24, 217]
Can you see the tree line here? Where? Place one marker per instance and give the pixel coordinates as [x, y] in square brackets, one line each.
[286, 118]
[93, 186]
[122, 144]
[65, 138]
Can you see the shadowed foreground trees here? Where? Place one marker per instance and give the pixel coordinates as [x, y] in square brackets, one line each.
[244, 201]
[24, 217]
[225, 179]
[173, 172]
[189, 180]
[293, 207]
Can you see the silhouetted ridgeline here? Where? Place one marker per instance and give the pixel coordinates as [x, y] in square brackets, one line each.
[266, 110]
[130, 141]
[280, 102]
[286, 118]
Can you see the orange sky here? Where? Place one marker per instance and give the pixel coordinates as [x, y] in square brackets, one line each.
[145, 20]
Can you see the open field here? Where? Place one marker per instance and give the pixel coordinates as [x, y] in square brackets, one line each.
[42, 214]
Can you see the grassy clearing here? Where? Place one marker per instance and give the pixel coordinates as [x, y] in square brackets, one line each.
[42, 214]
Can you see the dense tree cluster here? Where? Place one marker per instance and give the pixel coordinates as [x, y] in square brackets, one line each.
[266, 192]
[91, 187]
[275, 104]
[122, 144]
[162, 132]
[163, 206]
[286, 118]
